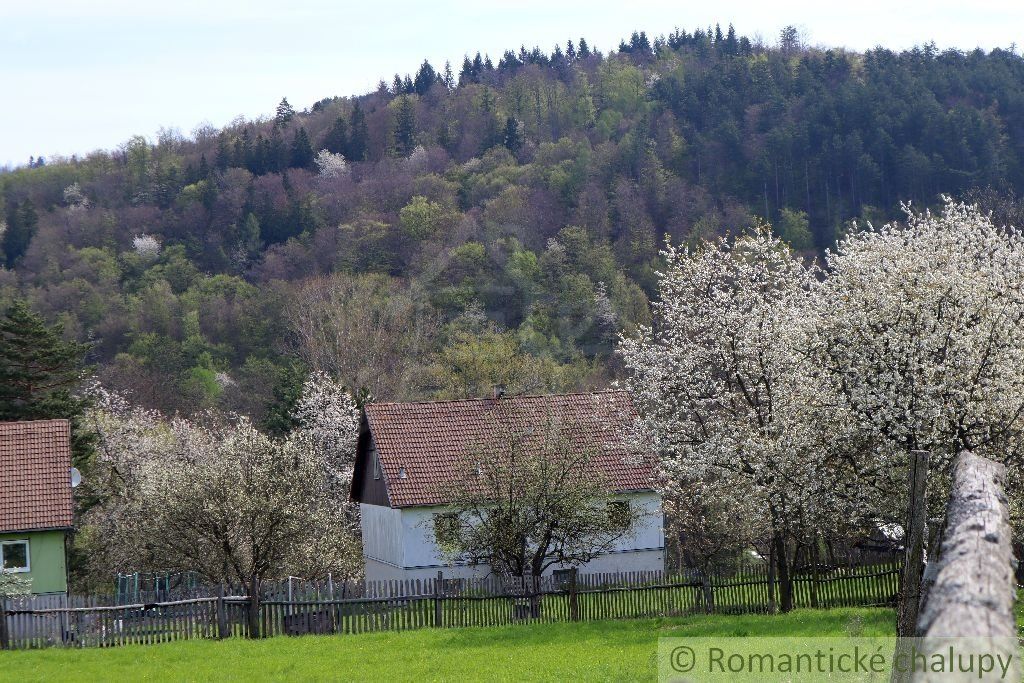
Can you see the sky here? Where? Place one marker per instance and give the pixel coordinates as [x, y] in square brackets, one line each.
[76, 76]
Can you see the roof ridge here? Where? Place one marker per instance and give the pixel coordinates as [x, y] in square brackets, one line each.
[506, 397]
[4, 423]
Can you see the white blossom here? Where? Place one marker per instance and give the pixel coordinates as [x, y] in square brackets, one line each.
[920, 329]
[727, 397]
[214, 495]
[331, 165]
[146, 246]
[417, 159]
[75, 198]
[327, 418]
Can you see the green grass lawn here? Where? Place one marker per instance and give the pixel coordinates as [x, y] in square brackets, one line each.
[592, 651]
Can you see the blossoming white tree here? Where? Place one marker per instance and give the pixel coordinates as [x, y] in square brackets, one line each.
[921, 330]
[330, 165]
[215, 495]
[146, 246]
[811, 388]
[727, 397]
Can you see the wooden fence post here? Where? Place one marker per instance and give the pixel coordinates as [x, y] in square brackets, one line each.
[222, 616]
[5, 638]
[972, 598]
[574, 606]
[913, 567]
[815, 603]
[438, 598]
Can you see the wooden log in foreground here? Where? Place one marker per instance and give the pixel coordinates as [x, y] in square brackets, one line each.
[973, 594]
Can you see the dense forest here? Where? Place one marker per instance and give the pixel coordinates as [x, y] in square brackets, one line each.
[494, 222]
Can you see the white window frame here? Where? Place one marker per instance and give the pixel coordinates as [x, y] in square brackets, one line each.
[376, 464]
[28, 556]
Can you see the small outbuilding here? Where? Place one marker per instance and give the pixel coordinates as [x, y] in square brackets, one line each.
[408, 454]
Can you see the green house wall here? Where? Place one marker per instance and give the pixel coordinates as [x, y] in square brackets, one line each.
[49, 571]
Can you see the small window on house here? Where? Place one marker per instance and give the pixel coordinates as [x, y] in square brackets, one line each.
[15, 556]
[376, 465]
[563, 578]
[618, 513]
[446, 528]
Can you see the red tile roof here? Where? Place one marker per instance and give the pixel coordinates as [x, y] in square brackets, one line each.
[35, 475]
[431, 442]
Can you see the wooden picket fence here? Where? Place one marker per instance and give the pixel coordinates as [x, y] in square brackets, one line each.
[444, 602]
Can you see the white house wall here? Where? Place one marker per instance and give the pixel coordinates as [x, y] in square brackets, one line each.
[399, 544]
[382, 533]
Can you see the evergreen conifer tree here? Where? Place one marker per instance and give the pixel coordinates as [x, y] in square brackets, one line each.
[39, 372]
[277, 152]
[302, 150]
[285, 113]
[21, 226]
[358, 134]
[513, 139]
[405, 125]
[425, 78]
[336, 140]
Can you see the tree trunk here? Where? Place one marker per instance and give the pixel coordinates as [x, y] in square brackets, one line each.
[709, 592]
[254, 608]
[784, 572]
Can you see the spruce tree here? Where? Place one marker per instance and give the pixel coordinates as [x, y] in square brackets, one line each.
[466, 74]
[39, 372]
[359, 134]
[405, 125]
[513, 140]
[302, 150]
[584, 49]
[285, 113]
[425, 78]
[21, 226]
[277, 152]
[336, 140]
[223, 158]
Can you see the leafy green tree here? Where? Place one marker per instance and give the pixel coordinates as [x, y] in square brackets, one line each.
[795, 229]
[421, 218]
[39, 372]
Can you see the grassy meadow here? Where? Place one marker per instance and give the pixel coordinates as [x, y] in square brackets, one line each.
[594, 651]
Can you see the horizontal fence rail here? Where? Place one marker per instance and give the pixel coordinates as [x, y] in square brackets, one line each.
[296, 608]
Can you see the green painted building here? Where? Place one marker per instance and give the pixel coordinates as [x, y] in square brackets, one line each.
[35, 502]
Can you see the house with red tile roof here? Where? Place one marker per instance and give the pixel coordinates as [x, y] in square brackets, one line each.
[35, 502]
[409, 454]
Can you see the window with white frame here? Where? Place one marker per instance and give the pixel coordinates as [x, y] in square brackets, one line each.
[14, 556]
[376, 465]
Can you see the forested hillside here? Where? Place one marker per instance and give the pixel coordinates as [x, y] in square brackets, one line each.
[495, 222]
